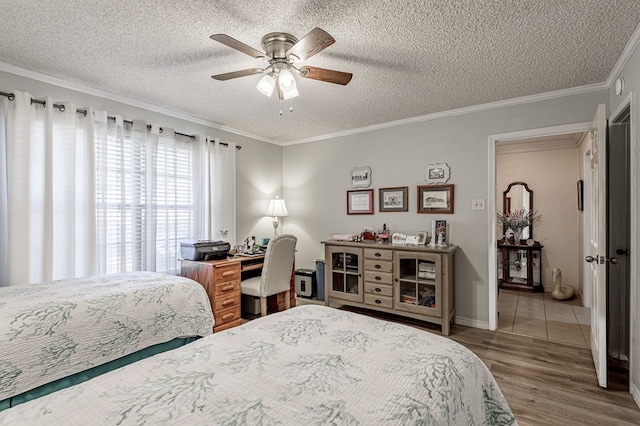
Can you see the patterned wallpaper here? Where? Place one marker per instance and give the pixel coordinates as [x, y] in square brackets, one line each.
[552, 176]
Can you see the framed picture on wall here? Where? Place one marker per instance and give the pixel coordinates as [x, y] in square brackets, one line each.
[435, 199]
[360, 202]
[393, 199]
[581, 195]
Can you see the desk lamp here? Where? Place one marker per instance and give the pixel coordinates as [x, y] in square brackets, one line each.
[276, 209]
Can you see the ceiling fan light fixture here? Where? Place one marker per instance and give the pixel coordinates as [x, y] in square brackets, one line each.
[286, 81]
[290, 94]
[266, 85]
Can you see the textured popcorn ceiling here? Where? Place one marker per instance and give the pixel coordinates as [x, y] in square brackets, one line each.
[408, 58]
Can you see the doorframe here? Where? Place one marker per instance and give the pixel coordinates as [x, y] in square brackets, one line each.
[521, 135]
[634, 174]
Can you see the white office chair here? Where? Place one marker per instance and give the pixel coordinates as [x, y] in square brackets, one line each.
[276, 272]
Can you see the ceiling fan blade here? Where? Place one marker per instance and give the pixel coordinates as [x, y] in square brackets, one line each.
[330, 76]
[236, 74]
[317, 40]
[238, 45]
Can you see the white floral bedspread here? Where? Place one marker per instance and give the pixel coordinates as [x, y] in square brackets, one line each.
[310, 365]
[55, 329]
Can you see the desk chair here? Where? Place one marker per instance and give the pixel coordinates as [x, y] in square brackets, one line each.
[276, 272]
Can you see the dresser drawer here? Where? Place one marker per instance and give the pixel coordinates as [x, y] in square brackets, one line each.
[227, 272]
[377, 300]
[225, 316]
[375, 288]
[226, 287]
[378, 265]
[378, 254]
[227, 300]
[378, 277]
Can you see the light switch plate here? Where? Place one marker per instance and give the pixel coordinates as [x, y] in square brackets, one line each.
[477, 204]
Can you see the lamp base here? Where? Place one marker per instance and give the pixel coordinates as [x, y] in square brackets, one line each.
[275, 227]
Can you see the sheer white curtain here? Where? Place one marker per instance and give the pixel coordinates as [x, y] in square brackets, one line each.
[82, 194]
[47, 204]
[215, 189]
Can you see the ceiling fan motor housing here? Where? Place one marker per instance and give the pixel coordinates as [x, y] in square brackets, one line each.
[276, 45]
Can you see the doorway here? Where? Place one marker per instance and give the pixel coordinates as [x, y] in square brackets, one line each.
[516, 138]
[548, 167]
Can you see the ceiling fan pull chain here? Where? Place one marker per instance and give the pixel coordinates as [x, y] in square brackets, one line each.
[280, 100]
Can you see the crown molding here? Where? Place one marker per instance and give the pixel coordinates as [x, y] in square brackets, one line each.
[455, 112]
[34, 75]
[629, 48]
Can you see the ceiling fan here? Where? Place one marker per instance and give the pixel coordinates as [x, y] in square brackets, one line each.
[282, 51]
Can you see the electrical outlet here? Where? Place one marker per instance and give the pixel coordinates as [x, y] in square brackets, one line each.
[477, 204]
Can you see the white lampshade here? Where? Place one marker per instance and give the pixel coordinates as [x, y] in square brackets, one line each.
[277, 208]
[266, 85]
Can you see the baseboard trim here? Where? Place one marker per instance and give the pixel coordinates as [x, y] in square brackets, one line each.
[635, 393]
[468, 322]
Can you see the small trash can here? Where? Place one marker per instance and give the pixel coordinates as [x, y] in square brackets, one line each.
[305, 283]
[320, 279]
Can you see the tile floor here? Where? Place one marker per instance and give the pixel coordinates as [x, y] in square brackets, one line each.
[539, 315]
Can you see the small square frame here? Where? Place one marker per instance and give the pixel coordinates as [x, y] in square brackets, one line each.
[435, 199]
[360, 202]
[422, 237]
[393, 199]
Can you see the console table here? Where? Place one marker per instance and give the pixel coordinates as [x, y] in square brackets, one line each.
[412, 281]
[520, 267]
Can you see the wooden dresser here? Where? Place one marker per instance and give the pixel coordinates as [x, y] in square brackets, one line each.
[415, 282]
[221, 280]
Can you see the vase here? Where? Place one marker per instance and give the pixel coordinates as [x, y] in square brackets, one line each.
[517, 236]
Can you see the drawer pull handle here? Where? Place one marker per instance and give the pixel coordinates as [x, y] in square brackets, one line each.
[378, 254]
[378, 289]
[227, 317]
[228, 302]
[378, 277]
[228, 288]
[228, 274]
[378, 301]
[378, 266]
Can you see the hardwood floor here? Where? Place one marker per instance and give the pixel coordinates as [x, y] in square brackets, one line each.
[544, 382]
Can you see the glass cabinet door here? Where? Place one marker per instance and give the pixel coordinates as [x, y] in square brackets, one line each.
[418, 283]
[345, 266]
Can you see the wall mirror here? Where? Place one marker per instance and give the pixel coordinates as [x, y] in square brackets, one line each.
[518, 196]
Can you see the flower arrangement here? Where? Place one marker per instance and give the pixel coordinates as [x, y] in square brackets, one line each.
[519, 219]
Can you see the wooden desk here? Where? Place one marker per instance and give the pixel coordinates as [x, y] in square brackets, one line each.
[221, 279]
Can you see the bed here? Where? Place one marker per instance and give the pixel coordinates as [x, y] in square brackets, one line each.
[307, 365]
[58, 333]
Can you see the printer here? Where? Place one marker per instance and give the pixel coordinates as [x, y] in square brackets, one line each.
[204, 250]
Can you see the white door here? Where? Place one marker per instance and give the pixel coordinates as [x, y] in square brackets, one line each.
[598, 246]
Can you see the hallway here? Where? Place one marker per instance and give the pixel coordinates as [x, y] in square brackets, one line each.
[539, 315]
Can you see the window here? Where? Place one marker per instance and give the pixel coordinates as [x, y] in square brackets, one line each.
[144, 198]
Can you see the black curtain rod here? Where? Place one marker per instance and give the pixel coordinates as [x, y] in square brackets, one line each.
[61, 108]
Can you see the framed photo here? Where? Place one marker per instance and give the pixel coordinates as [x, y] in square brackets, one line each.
[581, 195]
[435, 199]
[360, 177]
[422, 238]
[437, 173]
[393, 199]
[360, 202]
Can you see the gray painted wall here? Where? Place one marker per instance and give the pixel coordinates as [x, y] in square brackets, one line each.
[316, 178]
